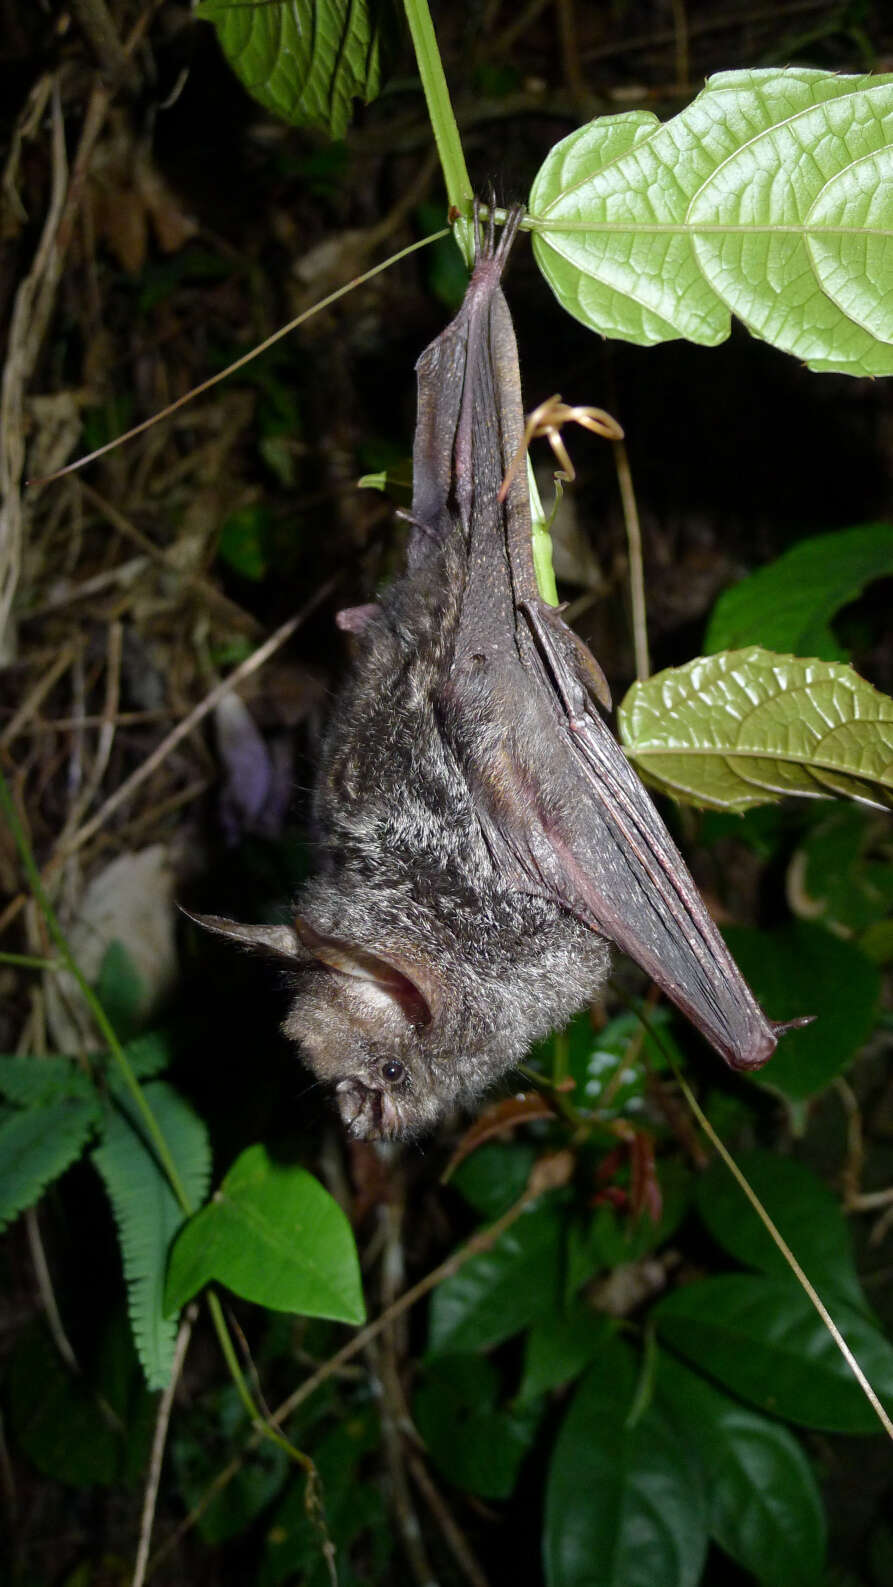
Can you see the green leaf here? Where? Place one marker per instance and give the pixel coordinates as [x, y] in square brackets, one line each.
[498, 1292]
[275, 1236]
[57, 1418]
[37, 1146]
[216, 1428]
[243, 541]
[624, 1505]
[120, 990]
[560, 1346]
[747, 726]
[764, 1506]
[34, 1079]
[803, 1209]
[788, 605]
[832, 876]
[768, 197]
[495, 1175]
[149, 1055]
[475, 1443]
[804, 969]
[354, 1509]
[305, 60]
[147, 1212]
[762, 1338]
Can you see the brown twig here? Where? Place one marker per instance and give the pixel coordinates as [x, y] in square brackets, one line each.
[162, 1421]
[37, 695]
[636, 567]
[190, 722]
[454, 1538]
[196, 581]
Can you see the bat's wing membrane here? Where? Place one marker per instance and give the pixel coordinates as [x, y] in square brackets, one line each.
[592, 839]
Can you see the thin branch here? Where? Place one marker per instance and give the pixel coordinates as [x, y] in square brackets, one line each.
[47, 1294]
[636, 567]
[162, 1421]
[189, 723]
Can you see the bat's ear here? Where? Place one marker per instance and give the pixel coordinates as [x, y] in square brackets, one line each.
[283, 941]
[410, 985]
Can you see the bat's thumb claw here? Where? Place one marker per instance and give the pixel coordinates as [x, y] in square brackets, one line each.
[780, 1026]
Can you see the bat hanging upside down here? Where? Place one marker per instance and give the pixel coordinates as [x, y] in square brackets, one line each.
[482, 833]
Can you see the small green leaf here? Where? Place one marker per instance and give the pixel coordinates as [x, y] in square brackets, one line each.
[495, 1175]
[498, 1292]
[147, 1212]
[354, 1509]
[120, 990]
[803, 1209]
[275, 1236]
[625, 1505]
[747, 726]
[764, 1506]
[788, 606]
[305, 60]
[477, 1444]
[766, 197]
[37, 1146]
[762, 1338]
[149, 1055]
[243, 541]
[33, 1080]
[804, 969]
[216, 1427]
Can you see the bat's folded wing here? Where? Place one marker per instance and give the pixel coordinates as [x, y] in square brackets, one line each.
[566, 815]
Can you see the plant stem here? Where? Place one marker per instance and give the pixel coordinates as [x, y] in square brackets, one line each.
[103, 1023]
[28, 961]
[443, 122]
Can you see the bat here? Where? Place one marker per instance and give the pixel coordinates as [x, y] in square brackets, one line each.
[482, 834]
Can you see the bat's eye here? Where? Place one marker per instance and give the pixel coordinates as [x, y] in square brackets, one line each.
[392, 1071]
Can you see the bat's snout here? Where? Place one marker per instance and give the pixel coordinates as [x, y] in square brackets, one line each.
[367, 1114]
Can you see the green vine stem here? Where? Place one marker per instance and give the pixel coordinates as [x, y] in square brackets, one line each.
[443, 121]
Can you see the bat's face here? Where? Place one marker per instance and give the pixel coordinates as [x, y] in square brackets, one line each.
[371, 1027]
[359, 1039]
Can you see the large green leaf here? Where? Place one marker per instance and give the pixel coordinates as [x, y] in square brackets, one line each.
[803, 1209]
[275, 1236]
[559, 1346]
[147, 1212]
[747, 726]
[37, 1146]
[762, 1338]
[305, 60]
[625, 1505]
[804, 969]
[764, 1506]
[56, 1415]
[498, 1292]
[768, 197]
[788, 605]
[477, 1443]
